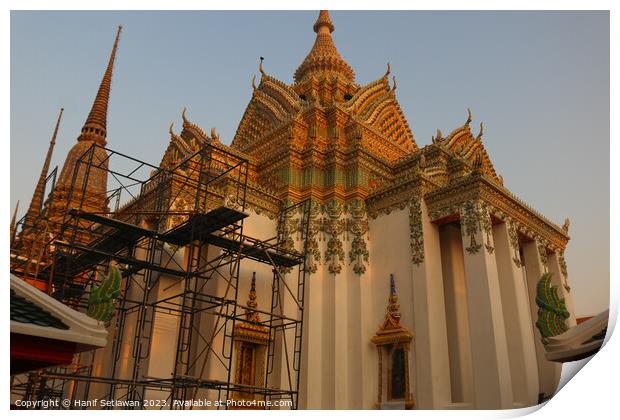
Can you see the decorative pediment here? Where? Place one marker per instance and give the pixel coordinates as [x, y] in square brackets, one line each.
[272, 104]
[462, 144]
[391, 331]
[375, 105]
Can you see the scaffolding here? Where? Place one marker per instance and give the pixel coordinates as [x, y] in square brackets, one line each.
[183, 223]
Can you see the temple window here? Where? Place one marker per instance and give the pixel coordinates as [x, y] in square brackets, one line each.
[251, 340]
[393, 342]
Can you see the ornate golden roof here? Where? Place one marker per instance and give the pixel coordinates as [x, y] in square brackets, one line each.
[324, 59]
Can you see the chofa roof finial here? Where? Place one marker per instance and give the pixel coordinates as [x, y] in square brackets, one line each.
[183, 115]
[253, 82]
[437, 137]
[468, 117]
[566, 225]
[260, 66]
[388, 71]
[479, 136]
[394, 79]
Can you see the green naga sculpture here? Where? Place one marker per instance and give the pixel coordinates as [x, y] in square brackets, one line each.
[552, 313]
[101, 305]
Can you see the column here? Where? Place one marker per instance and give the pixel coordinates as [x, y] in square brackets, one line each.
[557, 266]
[548, 372]
[491, 367]
[455, 294]
[517, 316]
[431, 362]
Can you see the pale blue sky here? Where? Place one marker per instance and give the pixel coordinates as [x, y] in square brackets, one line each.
[538, 80]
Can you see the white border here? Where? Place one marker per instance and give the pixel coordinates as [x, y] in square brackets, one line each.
[591, 395]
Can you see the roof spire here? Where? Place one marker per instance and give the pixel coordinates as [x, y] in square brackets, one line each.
[251, 314]
[95, 127]
[324, 58]
[39, 191]
[13, 221]
[323, 21]
[393, 306]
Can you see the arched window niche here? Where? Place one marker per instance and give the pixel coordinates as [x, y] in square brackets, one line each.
[393, 343]
[251, 341]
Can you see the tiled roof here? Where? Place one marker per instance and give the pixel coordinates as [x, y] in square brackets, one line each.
[26, 312]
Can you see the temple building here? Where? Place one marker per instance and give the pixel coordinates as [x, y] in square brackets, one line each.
[421, 266]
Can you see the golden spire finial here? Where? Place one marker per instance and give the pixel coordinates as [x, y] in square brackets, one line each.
[252, 315]
[323, 60]
[393, 306]
[95, 127]
[323, 21]
[36, 204]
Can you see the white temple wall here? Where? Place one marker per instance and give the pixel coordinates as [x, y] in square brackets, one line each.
[311, 395]
[356, 345]
[390, 253]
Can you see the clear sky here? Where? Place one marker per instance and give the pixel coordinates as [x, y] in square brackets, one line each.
[538, 80]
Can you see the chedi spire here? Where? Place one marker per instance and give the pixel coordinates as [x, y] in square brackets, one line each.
[36, 204]
[95, 127]
[324, 59]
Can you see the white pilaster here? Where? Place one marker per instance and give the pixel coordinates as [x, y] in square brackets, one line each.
[517, 317]
[430, 343]
[457, 318]
[491, 368]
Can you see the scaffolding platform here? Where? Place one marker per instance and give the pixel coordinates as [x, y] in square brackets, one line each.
[202, 225]
[122, 235]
